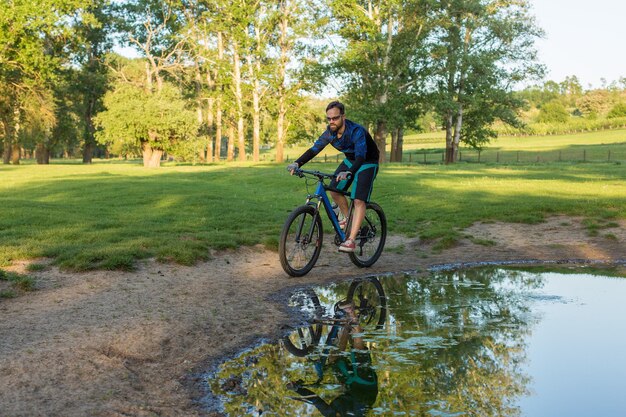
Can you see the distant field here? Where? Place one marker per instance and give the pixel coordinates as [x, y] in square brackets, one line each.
[108, 215]
[608, 145]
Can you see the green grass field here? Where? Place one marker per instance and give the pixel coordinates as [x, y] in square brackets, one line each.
[602, 146]
[108, 215]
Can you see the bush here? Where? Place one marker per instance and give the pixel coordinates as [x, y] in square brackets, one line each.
[553, 112]
[619, 110]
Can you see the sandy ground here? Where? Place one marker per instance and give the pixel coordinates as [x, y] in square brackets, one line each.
[134, 344]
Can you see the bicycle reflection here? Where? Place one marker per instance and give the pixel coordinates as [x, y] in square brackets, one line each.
[343, 350]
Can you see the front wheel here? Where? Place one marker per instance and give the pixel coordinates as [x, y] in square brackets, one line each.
[300, 241]
[370, 302]
[371, 239]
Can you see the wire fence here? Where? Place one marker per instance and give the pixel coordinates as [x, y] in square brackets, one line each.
[505, 157]
[521, 157]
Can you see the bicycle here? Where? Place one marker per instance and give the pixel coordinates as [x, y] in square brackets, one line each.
[370, 305]
[301, 238]
[363, 310]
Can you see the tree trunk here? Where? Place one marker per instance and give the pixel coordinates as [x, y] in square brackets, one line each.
[13, 138]
[210, 116]
[254, 67]
[394, 144]
[256, 125]
[241, 139]
[201, 150]
[15, 154]
[380, 137]
[400, 144]
[42, 154]
[6, 152]
[210, 124]
[450, 151]
[90, 129]
[209, 157]
[230, 153]
[151, 156]
[218, 102]
[241, 144]
[218, 129]
[88, 152]
[457, 131]
[281, 131]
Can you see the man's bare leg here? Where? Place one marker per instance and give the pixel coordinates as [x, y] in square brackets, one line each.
[357, 218]
[341, 201]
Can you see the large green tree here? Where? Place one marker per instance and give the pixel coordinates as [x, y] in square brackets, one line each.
[138, 120]
[33, 35]
[479, 50]
[379, 67]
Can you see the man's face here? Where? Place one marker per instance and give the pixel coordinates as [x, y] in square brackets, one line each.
[334, 119]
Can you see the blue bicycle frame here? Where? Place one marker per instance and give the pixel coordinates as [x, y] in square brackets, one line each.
[322, 198]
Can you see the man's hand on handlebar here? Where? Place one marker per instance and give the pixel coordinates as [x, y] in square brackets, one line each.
[292, 167]
[344, 175]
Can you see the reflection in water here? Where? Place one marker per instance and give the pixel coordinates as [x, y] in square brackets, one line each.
[453, 343]
[346, 353]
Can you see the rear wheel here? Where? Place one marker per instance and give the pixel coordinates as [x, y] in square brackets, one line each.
[371, 238]
[303, 340]
[300, 241]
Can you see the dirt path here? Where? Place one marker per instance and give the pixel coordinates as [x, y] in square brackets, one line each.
[128, 344]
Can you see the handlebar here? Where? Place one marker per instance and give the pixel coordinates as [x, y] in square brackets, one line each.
[319, 175]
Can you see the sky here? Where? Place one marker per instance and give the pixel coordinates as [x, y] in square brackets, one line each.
[583, 38]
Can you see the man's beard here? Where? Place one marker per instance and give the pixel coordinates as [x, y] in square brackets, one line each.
[335, 128]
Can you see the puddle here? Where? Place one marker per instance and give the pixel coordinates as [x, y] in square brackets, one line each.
[479, 342]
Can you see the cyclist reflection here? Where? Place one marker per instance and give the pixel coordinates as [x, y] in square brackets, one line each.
[354, 369]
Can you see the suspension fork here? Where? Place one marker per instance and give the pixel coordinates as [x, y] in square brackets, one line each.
[316, 211]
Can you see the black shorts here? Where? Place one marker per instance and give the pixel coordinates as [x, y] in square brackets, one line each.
[363, 180]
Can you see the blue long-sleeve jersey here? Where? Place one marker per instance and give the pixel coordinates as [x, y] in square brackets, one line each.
[355, 142]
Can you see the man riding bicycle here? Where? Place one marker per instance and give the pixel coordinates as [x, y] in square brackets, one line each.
[360, 166]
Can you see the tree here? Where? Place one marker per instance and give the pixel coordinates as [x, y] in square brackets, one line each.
[618, 110]
[594, 103]
[380, 66]
[138, 120]
[91, 80]
[297, 21]
[479, 49]
[150, 113]
[32, 53]
[553, 112]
